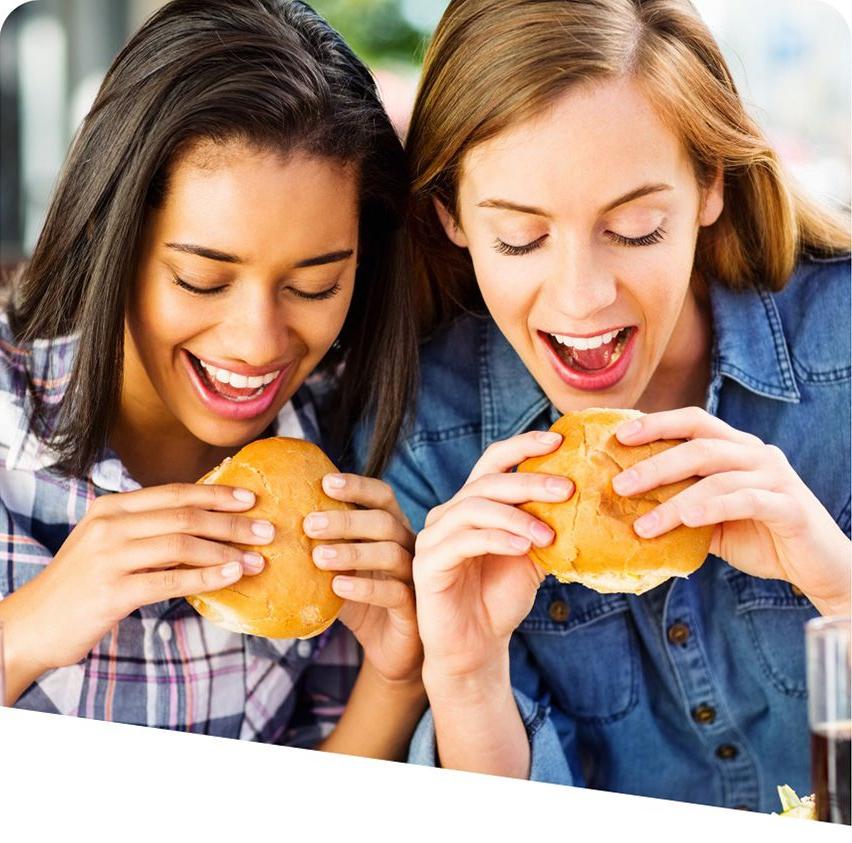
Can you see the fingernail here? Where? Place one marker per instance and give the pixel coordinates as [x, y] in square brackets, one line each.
[560, 487]
[263, 529]
[548, 438]
[541, 533]
[647, 524]
[335, 481]
[316, 523]
[253, 561]
[244, 495]
[630, 428]
[342, 585]
[231, 571]
[624, 482]
[519, 543]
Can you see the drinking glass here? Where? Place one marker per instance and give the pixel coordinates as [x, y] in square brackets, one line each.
[829, 716]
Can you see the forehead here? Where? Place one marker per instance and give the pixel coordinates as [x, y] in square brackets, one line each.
[232, 195]
[595, 141]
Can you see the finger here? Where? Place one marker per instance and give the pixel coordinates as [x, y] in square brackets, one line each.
[221, 526]
[146, 588]
[674, 511]
[506, 454]
[180, 495]
[771, 508]
[387, 557]
[482, 513]
[466, 544]
[518, 487]
[693, 458]
[388, 594]
[181, 549]
[367, 492]
[684, 423]
[363, 524]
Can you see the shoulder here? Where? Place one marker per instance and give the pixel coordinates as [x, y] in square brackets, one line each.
[448, 396]
[42, 367]
[814, 308]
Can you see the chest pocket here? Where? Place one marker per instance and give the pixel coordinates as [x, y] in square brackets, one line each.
[775, 615]
[585, 647]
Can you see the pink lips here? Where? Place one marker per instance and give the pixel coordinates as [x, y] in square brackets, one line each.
[235, 410]
[597, 380]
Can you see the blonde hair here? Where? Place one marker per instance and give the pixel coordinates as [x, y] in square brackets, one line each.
[495, 63]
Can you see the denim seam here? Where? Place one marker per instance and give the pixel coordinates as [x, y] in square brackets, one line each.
[426, 437]
[781, 351]
[773, 675]
[838, 375]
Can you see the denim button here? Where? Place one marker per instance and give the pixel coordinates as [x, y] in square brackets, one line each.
[558, 611]
[678, 633]
[704, 714]
[727, 752]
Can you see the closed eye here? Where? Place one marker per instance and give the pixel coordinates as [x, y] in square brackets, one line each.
[322, 294]
[645, 240]
[199, 291]
[508, 249]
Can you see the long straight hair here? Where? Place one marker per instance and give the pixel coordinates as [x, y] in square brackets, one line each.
[272, 74]
[492, 64]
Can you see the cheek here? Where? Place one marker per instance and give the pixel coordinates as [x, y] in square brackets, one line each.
[509, 287]
[161, 320]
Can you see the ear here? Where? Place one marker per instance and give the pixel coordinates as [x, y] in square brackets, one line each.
[451, 228]
[713, 200]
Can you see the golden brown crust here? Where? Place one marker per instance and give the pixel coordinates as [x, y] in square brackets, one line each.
[290, 597]
[595, 542]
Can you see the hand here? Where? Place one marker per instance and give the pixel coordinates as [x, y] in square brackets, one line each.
[473, 580]
[130, 550]
[377, 549]
[768, 522]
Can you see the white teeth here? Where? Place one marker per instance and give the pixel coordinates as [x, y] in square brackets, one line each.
[237, 380]
[584, 343]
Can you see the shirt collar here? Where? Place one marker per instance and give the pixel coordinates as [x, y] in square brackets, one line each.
[749, 347]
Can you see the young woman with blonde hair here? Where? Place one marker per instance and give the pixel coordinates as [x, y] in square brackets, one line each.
[599, 223]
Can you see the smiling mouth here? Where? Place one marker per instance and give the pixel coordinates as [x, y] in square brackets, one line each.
[593, 354]
[230, 385]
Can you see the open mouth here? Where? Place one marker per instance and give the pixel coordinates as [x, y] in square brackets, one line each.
[230, 385]
[230, 394]
[591, 363]
[593, 354]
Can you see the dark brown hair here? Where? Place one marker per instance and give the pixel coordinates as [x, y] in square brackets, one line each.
[275, 75]
[492, 64]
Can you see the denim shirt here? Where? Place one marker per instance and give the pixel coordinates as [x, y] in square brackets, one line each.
[694, 690]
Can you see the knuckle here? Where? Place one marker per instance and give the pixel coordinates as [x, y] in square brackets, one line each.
[177, 493]
[177, 546]
[776, 455]
[696, 415]
[169, 581]
[185, 518]
[97, 528]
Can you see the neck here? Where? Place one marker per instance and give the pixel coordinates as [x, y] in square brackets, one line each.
[682, 376]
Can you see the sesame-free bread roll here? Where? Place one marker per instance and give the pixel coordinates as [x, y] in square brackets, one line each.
[290, 597]
[595, 543]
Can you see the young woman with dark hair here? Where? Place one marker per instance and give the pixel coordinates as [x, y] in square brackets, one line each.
[224, 228]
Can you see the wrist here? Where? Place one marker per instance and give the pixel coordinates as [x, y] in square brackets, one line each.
[407, 687]
[471, 687]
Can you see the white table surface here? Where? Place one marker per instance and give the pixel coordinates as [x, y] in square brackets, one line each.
[67, 778]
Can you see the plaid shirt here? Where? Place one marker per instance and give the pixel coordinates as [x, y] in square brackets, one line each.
[163, 665]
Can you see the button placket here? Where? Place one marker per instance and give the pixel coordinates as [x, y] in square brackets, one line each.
[682, 640]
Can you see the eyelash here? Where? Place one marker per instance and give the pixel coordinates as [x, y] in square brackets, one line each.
[645, 240]
[324, 294]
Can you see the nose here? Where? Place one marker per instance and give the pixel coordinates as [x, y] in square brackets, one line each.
[256, 332]
[581, 285]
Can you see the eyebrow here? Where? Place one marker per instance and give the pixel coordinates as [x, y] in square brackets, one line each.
[637, 193]
[225, 257]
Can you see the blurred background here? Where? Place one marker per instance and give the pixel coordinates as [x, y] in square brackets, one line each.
[790, 59]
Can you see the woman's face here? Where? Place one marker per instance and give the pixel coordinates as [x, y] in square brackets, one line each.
[581, 225]
[245, 278]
